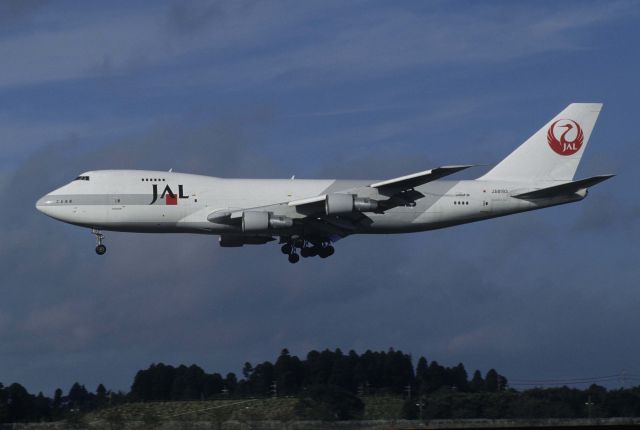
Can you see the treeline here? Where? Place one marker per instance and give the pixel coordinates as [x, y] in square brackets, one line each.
[559, 402]
[390, 372]
[18, 405]
[331, 385]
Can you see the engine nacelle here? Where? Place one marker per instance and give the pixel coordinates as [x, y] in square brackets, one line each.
[262, 221]
[340, 204]
[364, 204]
[276, 221]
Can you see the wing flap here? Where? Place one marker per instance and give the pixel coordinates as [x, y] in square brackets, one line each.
[415, 179]
[563, 189]
[308, 201]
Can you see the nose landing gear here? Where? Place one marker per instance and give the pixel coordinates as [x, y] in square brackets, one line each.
[100, 248]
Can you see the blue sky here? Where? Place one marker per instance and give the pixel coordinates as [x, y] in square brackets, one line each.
[315, 89]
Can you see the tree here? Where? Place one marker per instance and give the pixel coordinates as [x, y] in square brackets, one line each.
[213, 385]
[410, 410]
[247, 370]
[101, 392]
[422, 370]
[4, 411]
[41, 408]
[491, 381]
[288, 373]
[78, 396]
[477, 383]
[57, 399]
[101, 396]
[261, 379]
[188, 383]
[329, 403]
[437, 376]
[231, 382]
[20, 404]
[460, 378]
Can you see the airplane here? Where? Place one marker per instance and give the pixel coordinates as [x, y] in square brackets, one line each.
[308, 216]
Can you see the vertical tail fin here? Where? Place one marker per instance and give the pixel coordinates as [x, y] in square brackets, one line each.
[554, 151]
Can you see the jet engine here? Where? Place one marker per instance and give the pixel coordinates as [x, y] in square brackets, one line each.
[262, 221]
[340, 204]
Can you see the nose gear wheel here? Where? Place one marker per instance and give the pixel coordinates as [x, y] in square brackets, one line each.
[100, 248]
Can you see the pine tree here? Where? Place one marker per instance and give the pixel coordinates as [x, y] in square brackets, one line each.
[477, 383]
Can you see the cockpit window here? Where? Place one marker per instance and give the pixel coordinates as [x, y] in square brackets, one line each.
[82, 178]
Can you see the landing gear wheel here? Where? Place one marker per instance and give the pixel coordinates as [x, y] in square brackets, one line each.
[294, 258]
[326, 251]
[100, 248]
[306, 252]
[286, 248]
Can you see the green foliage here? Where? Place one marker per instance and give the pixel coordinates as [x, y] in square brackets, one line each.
[115, 420]
[383, 407]
[329, 403]
[410, 410]
[150, 420]
[477, 382]
[329, 385]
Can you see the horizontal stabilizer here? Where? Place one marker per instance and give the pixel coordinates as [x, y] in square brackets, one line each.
[564, 189]
[410, 181]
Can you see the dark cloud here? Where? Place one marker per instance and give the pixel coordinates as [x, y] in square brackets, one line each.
[612, 212]
[185, 18]
[18, 12]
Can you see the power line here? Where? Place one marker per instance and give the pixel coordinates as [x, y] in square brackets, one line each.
[590, 378]
[621, 377]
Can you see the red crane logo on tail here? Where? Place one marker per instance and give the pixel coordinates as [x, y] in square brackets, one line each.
[570, 136]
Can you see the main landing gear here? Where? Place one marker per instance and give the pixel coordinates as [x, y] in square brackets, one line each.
[100, 248]
[307, 249]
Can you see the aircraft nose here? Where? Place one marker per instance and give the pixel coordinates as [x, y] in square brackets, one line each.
[45, 204]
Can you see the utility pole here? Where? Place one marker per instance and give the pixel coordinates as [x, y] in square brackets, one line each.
[420, 406]
[408, 390]
[589, 405]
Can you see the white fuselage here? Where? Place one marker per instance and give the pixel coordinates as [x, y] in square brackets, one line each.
[153, 201]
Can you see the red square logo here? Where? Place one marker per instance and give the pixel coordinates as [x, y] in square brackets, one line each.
[171, 200]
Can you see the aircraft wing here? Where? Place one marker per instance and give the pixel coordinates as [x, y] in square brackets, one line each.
[311, 201]
[314, 223]
[410, 181]
[318, 222]
[563, 189]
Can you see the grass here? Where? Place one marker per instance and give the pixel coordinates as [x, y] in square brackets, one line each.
[278, 409]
